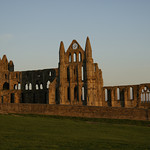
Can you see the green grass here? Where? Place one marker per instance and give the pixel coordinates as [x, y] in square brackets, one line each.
[37, 132]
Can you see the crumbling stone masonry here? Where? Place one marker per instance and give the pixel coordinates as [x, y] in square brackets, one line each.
[76, 81]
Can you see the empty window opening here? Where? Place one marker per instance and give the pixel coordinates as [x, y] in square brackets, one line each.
[109, 103]
[75, 74]
[122, 102]
[12, 98]
[68, 91]
[80, 58]
[83, 94]
[48, 83]
[82, 73]
[145, 95]
[75, 92]
[68, 74]
[141, 97]
[15, 87]
[148, 95]
[5, 76]
[50, 73]
[26, 87]
[36, 87]
[75, 57]
[2, 99]
[118, 94]
[147, 99]
[41, 86]
[69, 57]
[22, 97]
[6, 86]
[131, 93]
[30, 86]
[56, 97]
[19, 86]
[106, 95]
[46, 98]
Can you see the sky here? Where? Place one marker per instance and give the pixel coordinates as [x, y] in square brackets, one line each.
[119, 32]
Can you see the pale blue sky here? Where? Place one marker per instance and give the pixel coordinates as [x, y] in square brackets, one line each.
[119, 31]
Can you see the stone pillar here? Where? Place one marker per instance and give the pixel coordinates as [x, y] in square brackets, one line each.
[126, 104]
[89, 72]
[113, 97]
[61, 73]
[52, 92]
[80, 93]
[17, 97]
[72, 94]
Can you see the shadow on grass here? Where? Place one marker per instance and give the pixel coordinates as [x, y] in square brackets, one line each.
[92, 120]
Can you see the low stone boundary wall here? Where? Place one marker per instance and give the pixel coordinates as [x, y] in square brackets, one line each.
[77, 111]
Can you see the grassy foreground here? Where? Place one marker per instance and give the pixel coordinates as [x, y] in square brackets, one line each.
[36, 132]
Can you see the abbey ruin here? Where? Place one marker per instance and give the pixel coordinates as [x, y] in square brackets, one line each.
[76, 81]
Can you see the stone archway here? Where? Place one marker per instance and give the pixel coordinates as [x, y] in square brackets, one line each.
[6, 86]
[122, 98]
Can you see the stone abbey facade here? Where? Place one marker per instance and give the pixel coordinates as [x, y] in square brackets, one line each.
[76, 81]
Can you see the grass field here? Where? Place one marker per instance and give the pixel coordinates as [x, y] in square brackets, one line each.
[36, 132]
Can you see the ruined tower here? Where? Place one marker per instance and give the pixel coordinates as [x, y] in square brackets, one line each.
[80, 80]
[93, 78]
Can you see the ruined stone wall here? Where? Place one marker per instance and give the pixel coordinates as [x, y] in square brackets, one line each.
[76, 81]
[24, 87]
[9, 80]
[137, 96]
[77, 111]
[35, 85]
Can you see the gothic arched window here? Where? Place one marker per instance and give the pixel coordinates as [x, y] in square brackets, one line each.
[70, 57]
